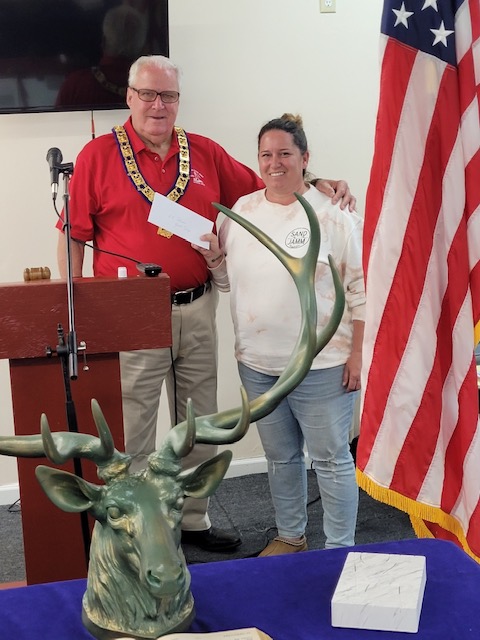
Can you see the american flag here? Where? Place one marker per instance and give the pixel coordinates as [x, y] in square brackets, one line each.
[419, 446]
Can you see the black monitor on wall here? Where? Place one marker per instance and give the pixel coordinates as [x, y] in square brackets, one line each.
[74, 55]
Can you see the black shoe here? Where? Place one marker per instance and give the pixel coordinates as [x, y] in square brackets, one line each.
[211, 539]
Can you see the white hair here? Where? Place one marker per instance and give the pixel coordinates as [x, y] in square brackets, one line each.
[159, 62]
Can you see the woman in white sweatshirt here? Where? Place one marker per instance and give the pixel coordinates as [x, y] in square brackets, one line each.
[266, 317]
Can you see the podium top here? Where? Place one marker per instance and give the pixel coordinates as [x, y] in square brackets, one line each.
[110, 315]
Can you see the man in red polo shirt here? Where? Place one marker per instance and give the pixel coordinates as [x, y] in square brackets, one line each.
[115, 179]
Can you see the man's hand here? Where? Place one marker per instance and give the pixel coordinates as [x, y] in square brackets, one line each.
[338, 191]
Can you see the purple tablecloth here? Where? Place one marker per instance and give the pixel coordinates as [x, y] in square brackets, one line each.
[288, 597]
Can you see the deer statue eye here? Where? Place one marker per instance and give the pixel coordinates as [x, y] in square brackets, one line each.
[114, 513]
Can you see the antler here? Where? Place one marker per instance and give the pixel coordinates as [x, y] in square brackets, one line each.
[60, 446]
[231, 425]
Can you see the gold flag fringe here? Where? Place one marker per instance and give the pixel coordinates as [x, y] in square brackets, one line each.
[417, 511]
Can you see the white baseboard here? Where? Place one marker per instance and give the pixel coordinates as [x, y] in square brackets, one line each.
[246, 466]
[9, 493]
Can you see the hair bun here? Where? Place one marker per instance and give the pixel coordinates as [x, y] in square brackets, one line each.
[289, 117]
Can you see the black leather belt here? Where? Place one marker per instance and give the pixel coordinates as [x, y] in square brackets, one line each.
[189, 295]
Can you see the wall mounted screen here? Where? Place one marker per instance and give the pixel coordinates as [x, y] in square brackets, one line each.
[70, 55]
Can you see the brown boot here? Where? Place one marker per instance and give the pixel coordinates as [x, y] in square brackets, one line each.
[280, 546]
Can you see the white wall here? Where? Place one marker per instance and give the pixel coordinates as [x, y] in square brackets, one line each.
[243, 63]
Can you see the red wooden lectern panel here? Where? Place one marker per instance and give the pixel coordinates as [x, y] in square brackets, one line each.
[110, 316]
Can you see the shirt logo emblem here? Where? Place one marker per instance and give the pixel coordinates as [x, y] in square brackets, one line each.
[297, 238]
[197, 177]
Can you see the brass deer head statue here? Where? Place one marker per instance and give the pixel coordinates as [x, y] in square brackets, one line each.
[138, 582]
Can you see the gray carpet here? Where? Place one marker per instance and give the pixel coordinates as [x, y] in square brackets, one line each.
[12, 566]
[242, 505]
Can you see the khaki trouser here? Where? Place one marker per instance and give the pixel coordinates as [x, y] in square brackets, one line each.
[194, 354]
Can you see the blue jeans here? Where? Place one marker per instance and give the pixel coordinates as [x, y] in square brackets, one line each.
[319, 413]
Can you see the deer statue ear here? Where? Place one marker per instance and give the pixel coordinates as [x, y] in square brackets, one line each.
[204, 480]
[66, 491]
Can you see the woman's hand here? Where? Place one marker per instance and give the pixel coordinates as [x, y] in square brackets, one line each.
[352, 370]
[214, 255]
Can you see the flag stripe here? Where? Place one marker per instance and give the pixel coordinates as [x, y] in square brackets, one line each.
[472, 138]
[386, 130]
[458, 448]
[474, 11]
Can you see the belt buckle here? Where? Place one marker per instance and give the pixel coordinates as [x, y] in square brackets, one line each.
[181, 297]
[189, 295]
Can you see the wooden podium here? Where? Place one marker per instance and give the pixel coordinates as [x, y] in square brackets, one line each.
[111, 315]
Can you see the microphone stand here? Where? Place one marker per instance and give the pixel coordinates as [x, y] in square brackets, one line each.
[67, 348]
[72, 335]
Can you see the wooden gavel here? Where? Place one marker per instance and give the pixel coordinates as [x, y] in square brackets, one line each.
[36, 273]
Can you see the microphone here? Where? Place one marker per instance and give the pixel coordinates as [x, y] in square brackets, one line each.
[54, 159]
[150, 269]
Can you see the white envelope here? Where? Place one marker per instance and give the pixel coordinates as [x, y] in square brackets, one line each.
[179, 220]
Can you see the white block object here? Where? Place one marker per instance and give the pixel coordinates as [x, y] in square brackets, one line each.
[380, 591]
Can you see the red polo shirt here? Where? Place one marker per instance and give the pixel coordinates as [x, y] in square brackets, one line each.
[107, 208]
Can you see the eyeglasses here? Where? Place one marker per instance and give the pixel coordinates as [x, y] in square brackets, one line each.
[149, 95]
